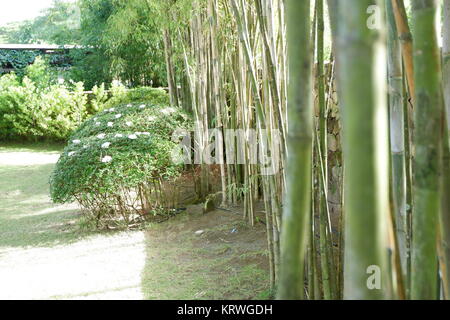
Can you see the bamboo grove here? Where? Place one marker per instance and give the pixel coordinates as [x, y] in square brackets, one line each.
[355, 96]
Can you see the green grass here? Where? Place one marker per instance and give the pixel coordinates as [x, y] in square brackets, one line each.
[27, 216]
[40, 146]
[182, 265]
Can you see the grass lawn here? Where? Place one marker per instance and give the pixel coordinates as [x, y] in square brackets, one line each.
[27, 217]
[45, 255]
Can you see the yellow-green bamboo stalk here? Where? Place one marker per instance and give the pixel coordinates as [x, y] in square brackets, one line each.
[445, 212]
[361, 65]
[406, 39]
[397, 130]
[428, 159]
[446, 57]
[294, 236]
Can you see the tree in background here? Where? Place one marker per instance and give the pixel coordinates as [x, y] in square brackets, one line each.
[58, 24]
[119, 39]
[134, 43]
[124, 42]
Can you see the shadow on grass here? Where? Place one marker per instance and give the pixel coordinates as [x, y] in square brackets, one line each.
[40, 146]
[27, 215]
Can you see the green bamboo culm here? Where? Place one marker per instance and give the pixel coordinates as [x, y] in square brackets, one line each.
[325, 234]
[428, 160]
[446, 58]
[445, 212]
[397, 129]
[294, 236]
[361, 57]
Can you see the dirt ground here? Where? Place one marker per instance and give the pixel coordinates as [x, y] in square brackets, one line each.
[211, 256]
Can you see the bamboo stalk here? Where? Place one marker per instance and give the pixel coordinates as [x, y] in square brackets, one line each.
[406, 41]
[445, 212]
[298, 193]
[397, 131]
[360, 56]
[446, 57]
[428, 159]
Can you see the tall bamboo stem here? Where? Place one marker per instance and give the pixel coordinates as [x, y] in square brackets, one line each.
[300, 136]
[397, 130]
[428, 161]
[361, 60]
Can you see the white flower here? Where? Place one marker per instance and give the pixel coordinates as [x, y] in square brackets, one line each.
[129, 123]
[118, 116]
[106, 145]
[138, 133]
[98, 123]
[95, 119]
[118, 135]
[146, 133]
[142, 106]
[151, 118]
[85, 146]
[111, 110]
[129, 105]
[101, 136]
[110, 124]
[132, 137]
[76, 141]
[106, 159]
[71, 153]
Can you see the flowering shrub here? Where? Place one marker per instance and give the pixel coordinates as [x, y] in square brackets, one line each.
[116, 162]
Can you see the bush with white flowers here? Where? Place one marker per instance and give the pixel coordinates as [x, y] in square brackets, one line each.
[116, 161]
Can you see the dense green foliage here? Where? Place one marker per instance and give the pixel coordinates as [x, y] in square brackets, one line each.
[37, 106]
[17, 59]
[115, 162]
[124, 41]
[120, 95]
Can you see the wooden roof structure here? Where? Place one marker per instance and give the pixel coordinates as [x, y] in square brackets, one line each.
[44, 48]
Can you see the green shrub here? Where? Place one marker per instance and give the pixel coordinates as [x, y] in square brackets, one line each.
[18, 59]
[115, 164]
[30, 109]
[120, 95]
[36, 106]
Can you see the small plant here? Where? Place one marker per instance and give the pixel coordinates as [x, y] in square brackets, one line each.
[117, 162]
